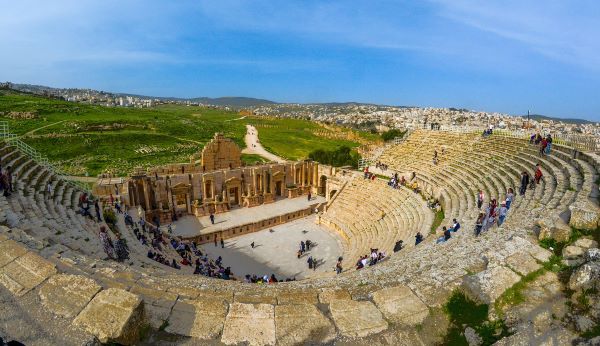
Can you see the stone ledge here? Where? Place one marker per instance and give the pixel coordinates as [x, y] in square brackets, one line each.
[66, 295]
[25, 273]
[114, 315]
[357, 319]
[202, 319]
[253, 324]
[400, 305]
[302, 323]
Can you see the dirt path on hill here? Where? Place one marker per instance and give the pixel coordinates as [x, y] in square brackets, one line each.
[42, 127]
[253, 145]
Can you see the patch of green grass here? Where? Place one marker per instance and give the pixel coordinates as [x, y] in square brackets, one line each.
[514, 295]
[251, 159]
[437, 220]
[463, 312]
[89, 139]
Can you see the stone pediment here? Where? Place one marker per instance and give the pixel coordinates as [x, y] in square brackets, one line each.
[180, 188]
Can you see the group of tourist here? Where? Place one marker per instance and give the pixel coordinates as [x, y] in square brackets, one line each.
[544, 143]
[382, 166]
[395, 182]
[369, 175]
[117, 250]
[446, 233]
[370, 260]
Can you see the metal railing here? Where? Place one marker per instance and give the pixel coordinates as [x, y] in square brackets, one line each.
[13, 140]
[577, 141]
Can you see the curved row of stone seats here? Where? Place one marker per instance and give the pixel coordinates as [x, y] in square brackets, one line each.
[370, 214]
[492, 164]
[111, 301]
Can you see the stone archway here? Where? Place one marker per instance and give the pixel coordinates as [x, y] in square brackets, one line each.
[322, 188]
[332, 193]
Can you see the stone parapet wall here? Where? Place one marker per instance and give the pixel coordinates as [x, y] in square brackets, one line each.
[252, 227]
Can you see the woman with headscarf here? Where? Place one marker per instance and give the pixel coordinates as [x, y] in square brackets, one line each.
[106, 242]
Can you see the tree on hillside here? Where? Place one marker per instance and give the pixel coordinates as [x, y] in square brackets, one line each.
[343, 156]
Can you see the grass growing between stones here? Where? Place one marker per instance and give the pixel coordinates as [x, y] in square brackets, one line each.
[514, 295]
[464, 312]
[437, 220]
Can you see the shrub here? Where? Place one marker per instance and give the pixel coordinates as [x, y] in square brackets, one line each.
[391, 134]
[343, 156]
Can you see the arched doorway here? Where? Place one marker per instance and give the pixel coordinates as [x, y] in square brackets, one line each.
[332, 193]
[322, 186]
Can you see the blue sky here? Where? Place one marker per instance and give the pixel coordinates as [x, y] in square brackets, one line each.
[506, 56]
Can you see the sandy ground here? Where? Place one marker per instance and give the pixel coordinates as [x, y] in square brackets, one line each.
[275, 251]
[253, 145]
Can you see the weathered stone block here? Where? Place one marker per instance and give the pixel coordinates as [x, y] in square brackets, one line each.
[302, 323]
[357, 319]
[586, 276]
[200, 319]
[557, 230]
[522, 263]
[586, 243]
[573, 252]
[329, 294]
[400, 305]
[297, 297]
[114, 315]
[25, 273]
[584, 215]
[250, 323]
[157, 304]
[257, 297]
[66, 295]
[488, 285]
[9, 250]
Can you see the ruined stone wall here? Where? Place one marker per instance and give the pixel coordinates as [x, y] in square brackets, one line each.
[221, 153]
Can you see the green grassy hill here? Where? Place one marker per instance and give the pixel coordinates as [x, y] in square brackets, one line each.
[92, 139]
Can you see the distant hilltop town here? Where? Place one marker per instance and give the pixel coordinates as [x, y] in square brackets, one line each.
[355, 115]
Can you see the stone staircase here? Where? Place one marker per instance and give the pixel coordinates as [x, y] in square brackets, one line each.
[56, 281]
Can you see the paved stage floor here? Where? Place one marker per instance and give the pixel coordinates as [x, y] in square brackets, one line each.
[189, 226]
[275, 251]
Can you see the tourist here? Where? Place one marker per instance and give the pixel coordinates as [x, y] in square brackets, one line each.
[302, 247]
[398, 246]
[502, 214]
[222, 243]
[106, 242]
[272, 279]
[418, 238]
[510, 195]
[479, 224]
[299, 253]
[310, 262]
[98, 212]
[174, 264]
[543, 145]
[455, 225]
[314, 264]
[480, 198]
[49, 190]
[338, 266]
[538, 173]
[9, 179]
[309, 196]
[252, 245]
[366, 172]
[549, 144]
[118, 207]
[308, 244]
[215, 239]
[524, 183]
[121, 250]
[212, 218]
